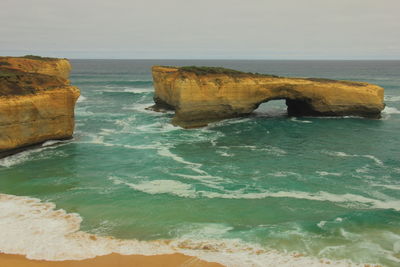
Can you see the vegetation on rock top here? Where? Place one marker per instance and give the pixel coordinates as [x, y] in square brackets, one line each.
[204, 70]
[40, 58]
[16, 82]
[323, 80]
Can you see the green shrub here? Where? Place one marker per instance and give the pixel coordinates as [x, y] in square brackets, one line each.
[39, 58]
[204, 70]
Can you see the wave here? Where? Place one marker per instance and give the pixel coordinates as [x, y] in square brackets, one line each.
[160, 187]
[226, 122]
[166, 152]
[388, 186]
[53, 142]
[324, 173]
[18, 158]
[300, 121]
[392, 98]
[284, 174]
[390, 110]
[129, 90]
[32, 153]
[276, 151]
[115, 83]
[188, 191]
[42, 232]
[142, 108]
[343, 154]
[28, 223]
[225, 154]
[81, 99]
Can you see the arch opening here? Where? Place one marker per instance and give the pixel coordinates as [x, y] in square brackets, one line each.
[272, 108]
[286, 107]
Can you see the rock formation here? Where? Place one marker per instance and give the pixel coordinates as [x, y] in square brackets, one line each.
[36, 102]
[34, 64]
[200, 95]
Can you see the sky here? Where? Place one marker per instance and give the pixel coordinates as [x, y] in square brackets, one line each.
[201, 29]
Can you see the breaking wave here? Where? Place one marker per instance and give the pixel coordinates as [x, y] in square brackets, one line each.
[180, 189]
[32, 154]
[42, 232]
[343, 154]
[390, 110]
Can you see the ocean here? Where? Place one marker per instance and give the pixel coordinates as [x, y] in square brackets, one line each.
[262, 190]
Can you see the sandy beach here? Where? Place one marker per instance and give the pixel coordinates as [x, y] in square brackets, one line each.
[115, 260]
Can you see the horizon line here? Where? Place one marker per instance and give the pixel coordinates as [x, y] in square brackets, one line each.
[231, 59]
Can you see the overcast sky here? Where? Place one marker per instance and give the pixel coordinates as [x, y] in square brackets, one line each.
[193, 29]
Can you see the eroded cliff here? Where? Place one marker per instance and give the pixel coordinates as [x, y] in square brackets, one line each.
[36, 102]
[200, 95]
[34, 64]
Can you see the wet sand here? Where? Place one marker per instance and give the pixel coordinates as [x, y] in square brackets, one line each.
[115, 260]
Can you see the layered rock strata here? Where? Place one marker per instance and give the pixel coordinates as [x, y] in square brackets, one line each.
[200, 95]
[36, 102]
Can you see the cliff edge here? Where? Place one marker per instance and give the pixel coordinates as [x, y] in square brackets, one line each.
[36, 102]
[200, 95]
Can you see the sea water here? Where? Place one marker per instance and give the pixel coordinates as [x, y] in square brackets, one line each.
[261, 190]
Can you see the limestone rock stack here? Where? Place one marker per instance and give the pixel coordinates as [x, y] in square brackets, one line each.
[36, 101]
[200, 95]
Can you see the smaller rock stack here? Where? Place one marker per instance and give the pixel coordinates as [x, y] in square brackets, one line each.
[36, 102]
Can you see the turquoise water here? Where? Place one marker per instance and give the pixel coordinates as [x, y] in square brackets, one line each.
[323, 187]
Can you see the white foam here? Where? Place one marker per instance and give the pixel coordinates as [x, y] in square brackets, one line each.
[224, 154]
[319, 196]
[276, 151]
[390, 110]
[52, 142]
[139, 90]
[106, 131]
[342, 154]
[236, 253]
[29, 154]
[157, 127]
[165, 187]
[321, 224]
[377, 161]
[166, 152]
[186, 190]
[284, 174]
[388, 186]
[392, 98]
[127, 124]
[209, 180]
[17, 158]
[363, 169]
[142, 109]
[129, 90]
[227, 122]
[81, 99]
[83, 112]
[324, 173]
[39, 231]
[300, 121]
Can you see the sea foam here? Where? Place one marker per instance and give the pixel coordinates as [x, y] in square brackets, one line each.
[342, 154]
[30, 154]
[187, 190]
[40, 231]
[392, 98]
[390, 110]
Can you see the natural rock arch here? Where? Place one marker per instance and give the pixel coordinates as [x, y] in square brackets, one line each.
[200, 95]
